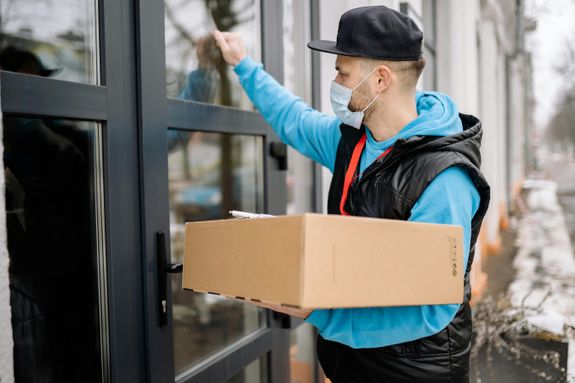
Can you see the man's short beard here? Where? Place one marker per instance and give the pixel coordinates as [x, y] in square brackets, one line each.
[360, 100]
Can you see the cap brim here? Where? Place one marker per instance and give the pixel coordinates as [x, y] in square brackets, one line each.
[327, 47]
[49, 72]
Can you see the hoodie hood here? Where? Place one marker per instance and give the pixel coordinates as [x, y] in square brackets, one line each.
[437, 116]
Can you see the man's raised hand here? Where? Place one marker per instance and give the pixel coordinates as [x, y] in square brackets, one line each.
[232, 46]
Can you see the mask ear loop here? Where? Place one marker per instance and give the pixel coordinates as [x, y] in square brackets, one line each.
[365, 78]
[372, 101]
[361, 82]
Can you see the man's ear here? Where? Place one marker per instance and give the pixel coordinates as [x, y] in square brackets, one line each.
[384, 78]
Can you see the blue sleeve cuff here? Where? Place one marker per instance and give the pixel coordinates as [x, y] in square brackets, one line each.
[318, 318]
[246, 66]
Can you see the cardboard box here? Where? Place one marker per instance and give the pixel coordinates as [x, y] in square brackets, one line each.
[326, 261]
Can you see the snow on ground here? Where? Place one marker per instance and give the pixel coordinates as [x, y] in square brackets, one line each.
[545, 264]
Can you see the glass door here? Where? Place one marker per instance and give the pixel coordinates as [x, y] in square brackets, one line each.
[205, 151]
[72, 201]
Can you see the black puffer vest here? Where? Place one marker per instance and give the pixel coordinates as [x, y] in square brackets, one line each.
[389, 189]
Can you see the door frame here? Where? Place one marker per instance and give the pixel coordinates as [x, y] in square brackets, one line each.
[156, 114]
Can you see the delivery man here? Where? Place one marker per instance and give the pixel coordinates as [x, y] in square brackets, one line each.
[394, 153]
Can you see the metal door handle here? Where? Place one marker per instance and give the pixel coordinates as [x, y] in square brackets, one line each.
[164, 268]
[278, 150]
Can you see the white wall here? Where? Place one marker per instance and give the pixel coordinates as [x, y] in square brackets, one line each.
[494, 47]
[472, 48]
[457, 52]
[517, 122]
[489, 116]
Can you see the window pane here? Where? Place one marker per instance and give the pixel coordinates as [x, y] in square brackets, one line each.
[50, 38]
[255, 372]
[195, 68]
[302, 354]
[210, 174]
[57, 275]
[297, 79]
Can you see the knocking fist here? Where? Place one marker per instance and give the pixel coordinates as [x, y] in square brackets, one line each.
[231, 45]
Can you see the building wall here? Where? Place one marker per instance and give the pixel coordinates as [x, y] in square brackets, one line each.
[490, 105]
[517, 121]
[458, 54]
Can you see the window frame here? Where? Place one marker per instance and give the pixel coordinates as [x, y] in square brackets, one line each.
[157, 113]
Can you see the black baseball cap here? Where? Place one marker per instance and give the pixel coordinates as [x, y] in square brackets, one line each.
[19, 60]
[376, 32]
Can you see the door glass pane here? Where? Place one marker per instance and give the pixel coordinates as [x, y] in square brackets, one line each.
[50, 38]
[210, 174]
[302, 354]
[54, 224]
[297, 79]
[195, 68]
[255, 372]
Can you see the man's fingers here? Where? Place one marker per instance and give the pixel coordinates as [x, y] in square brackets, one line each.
[221, 41]
[228, 35]
[231, 46]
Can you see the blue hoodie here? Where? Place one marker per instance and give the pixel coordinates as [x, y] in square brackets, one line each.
[451, 198]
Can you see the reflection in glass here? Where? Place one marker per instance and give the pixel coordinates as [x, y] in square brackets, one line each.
[56, 38]
[53, 191]
[255, 372]
[210, 174]
[297, 79]
[302, 354]
[195, 68]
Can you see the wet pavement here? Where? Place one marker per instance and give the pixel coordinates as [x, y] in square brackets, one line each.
[544, 263]
[563, 172]
[537, 271]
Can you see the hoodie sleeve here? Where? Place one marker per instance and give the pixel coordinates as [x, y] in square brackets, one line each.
[312, 133]
[451, 198]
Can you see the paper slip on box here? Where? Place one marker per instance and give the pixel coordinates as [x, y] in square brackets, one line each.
[326, 261]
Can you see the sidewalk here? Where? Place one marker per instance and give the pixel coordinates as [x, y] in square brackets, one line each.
[544, 262]
[545, 265]
[537, 271]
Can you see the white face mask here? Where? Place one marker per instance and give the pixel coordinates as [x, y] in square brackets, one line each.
[340, 98]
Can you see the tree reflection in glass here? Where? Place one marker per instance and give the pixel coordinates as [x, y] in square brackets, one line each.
[195, 68]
